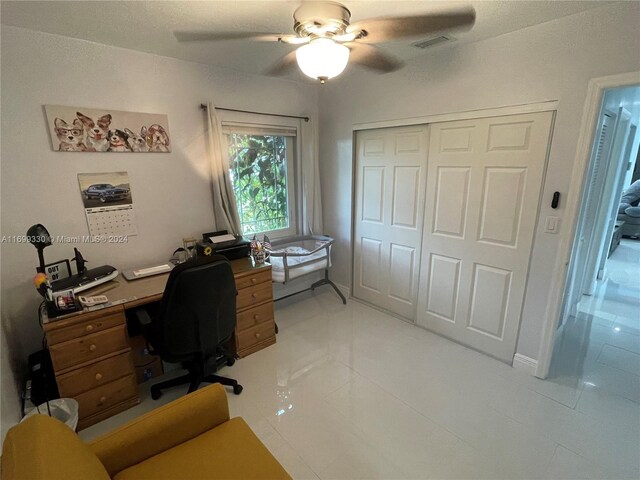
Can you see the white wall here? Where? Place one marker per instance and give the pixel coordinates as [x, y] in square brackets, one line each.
[171, 192]
[9, 393]
[552, 61]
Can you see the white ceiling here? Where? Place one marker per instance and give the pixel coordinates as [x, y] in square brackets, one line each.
[148, 25]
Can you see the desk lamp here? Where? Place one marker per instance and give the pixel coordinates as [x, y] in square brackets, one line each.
[39, 237]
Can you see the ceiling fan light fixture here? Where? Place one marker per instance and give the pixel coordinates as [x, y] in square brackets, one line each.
[322, 59]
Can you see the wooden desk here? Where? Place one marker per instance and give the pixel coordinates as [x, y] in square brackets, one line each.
[90, 350]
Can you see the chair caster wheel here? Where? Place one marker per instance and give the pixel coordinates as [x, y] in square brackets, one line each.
[155, 394]
[230, 362]
[237, 389]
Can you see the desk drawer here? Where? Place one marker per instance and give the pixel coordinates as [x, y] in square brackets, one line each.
[89, 347]
[253, 279]
[255, 316]
[94, 325]
[257, 334]
[107, 395]
[97, 374]
[253, 296]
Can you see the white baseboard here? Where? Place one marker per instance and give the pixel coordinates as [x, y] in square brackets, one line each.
[524, 363]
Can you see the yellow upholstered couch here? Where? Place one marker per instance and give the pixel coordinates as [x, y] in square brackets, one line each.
[190, 438]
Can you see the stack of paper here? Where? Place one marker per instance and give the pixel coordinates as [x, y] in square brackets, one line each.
[152, 270]
[227, 237]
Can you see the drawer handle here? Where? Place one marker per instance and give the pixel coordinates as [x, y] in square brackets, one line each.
[257, 335]
[102, 400]
[254, 280]
[254, 295]
[98, 376]
[89, 328]
[256, 317]
[92, 347]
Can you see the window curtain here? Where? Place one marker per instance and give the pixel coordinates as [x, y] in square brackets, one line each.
[311, 199]
[225, 211]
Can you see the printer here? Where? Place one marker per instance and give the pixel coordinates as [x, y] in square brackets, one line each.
[223, 243]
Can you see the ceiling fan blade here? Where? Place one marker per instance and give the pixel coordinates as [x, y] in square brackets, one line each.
[196, 36]
[391, 28]
[371, 57]
[294, 39]
[285, 65]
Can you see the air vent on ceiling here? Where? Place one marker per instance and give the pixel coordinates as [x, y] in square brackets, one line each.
[430, 42]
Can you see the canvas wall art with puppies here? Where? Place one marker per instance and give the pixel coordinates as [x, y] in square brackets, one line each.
[80, 129]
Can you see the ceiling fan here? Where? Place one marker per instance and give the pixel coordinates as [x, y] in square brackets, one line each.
[327, 40]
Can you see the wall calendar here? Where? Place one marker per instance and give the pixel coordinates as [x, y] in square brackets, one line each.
[120, 221]
[108, 204]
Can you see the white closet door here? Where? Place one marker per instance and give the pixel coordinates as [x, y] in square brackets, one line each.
[483, 189]
[390, 179]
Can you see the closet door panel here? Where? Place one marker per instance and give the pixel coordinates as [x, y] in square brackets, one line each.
[484, 179]
[389, 211]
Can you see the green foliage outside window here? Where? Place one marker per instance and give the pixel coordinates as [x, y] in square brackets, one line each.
[258, 168]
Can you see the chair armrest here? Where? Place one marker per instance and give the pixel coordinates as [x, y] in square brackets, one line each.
[162, 428]
[146, 326]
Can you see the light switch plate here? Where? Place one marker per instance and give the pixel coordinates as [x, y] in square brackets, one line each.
[552, 225]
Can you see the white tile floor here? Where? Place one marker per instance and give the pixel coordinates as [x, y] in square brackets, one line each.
[598, 351]
[350, 392]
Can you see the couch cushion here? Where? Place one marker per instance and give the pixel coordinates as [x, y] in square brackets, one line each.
[629, 220]
[229, 451]
[633, 212]
[42, 447]
[631, 195]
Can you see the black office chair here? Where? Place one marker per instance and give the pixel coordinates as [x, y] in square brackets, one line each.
[196, 316]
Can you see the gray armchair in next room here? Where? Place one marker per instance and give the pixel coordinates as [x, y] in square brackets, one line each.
[629, 210]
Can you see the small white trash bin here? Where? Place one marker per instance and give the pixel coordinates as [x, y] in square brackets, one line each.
[63, 409]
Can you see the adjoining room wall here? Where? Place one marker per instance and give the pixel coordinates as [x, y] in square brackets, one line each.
[551, 61]
[171, 192]
[629, 98]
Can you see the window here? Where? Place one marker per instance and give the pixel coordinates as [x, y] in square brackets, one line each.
[261, 163]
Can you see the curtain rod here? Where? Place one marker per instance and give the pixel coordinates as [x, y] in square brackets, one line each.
[306, 119]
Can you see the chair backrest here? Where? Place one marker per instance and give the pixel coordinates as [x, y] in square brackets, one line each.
[198, 308]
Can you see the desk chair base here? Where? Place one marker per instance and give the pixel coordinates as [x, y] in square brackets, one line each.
[156, 392]
[196, 376]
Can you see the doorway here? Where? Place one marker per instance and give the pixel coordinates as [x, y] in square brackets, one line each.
[596, 350]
